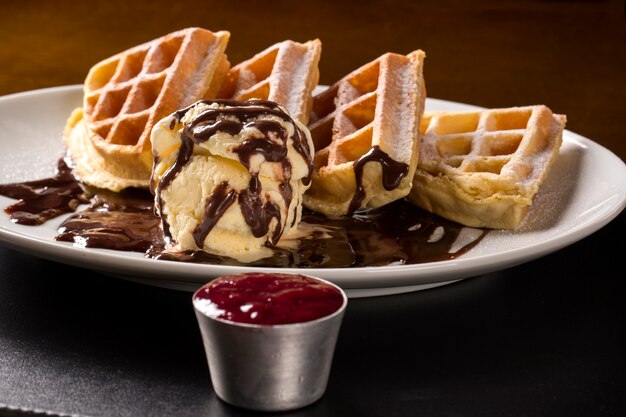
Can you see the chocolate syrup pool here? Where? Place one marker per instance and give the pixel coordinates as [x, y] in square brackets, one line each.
[398, 233]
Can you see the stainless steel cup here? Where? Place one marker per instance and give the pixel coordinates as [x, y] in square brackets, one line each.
[270, 367]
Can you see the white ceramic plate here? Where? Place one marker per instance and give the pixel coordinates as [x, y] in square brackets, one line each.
[585, 190]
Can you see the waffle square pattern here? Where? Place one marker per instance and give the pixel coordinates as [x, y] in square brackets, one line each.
[286, 72]
[127, 94]
[483, 168]
[365, 131]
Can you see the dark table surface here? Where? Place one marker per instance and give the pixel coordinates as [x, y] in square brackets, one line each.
[545, 338]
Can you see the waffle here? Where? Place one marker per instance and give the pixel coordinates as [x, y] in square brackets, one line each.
[126, 94]
[365, 129]
[286, 72]
[483, 168]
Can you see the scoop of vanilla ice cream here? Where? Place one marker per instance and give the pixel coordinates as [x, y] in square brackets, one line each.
[228, 176]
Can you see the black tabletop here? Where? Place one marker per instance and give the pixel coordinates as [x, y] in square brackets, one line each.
[546, 338]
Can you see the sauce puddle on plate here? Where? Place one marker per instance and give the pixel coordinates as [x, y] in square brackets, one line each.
[396, 234]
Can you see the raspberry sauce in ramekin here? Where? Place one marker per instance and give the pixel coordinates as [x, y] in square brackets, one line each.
[268, 298]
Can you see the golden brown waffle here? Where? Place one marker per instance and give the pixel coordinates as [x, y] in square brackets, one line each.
[365, 130]
[483, 168]
[126, 94]
[286, 72]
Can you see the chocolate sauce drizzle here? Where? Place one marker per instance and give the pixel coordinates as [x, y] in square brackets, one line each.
[272, 146]
[218, 202]
[393, 172]
[398, 233]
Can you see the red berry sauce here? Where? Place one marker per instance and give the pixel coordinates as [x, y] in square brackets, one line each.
[268, 299]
